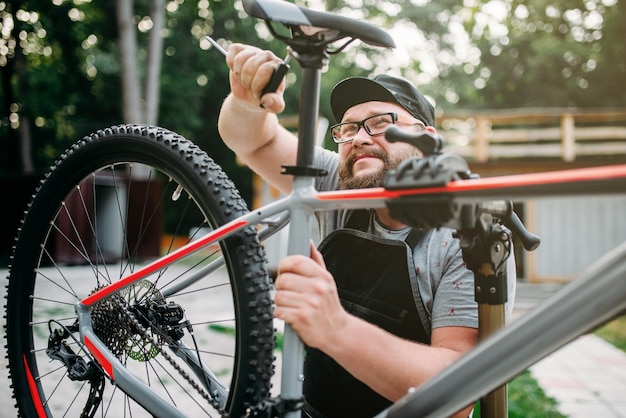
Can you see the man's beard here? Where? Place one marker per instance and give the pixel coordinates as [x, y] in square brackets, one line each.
[348, 181]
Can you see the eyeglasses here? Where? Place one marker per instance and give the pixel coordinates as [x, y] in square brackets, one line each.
[373, 125]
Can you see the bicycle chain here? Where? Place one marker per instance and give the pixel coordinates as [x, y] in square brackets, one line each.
[131, 321]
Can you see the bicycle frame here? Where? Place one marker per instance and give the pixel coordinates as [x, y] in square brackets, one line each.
[564, 309]
[490, 365]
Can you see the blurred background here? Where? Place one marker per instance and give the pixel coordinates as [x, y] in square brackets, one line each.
[519, 86]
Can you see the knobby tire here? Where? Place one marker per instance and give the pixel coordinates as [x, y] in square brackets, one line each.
[111, 203]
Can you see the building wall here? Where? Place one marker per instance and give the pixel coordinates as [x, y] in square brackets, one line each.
[574, 233]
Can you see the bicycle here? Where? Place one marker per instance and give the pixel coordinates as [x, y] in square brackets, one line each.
[99, 321]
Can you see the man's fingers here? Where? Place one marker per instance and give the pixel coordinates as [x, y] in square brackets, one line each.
[273, 102]
[317, 256]
[251, 71]
[300, 265]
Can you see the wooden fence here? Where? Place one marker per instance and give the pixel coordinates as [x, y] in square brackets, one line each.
[566, 134]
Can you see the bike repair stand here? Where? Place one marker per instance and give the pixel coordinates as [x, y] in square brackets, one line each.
[486, 247]
[484, 232]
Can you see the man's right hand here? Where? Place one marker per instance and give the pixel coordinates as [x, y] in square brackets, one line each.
[251, 69]
[248, 123]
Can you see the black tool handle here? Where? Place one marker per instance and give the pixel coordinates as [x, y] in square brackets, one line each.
[277, 77]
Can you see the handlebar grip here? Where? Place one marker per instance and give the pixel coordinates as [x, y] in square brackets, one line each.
[277, 77]
[427, 142]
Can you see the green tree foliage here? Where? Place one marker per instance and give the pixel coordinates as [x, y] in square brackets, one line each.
[535, 53]
[498, 53]
[60, 68]
[43, 87]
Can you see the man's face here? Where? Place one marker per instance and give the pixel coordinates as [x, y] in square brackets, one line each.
[365, 161]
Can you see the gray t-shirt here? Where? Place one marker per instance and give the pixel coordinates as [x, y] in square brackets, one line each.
[446, 286]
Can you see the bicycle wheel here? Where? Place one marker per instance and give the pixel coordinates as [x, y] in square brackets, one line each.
[113, 202]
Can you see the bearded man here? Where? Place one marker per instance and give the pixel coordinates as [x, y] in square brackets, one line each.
[380, 306]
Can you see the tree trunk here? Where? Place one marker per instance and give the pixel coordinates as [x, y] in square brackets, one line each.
[155, 54]
[20, 139]
[26, 145]
[131, 102]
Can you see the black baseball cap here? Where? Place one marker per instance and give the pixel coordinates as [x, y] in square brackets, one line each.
[383, 88]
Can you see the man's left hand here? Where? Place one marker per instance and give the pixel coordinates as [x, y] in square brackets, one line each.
[307, 299]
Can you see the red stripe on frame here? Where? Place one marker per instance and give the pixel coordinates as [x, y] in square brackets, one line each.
[537, 179]
[34, 392]
[162, 262]
[612, 172]
[106, 365]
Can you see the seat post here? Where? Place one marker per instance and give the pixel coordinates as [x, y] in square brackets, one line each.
[309, 112]
[311, 61]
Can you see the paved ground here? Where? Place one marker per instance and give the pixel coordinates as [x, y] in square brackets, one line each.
[587, 377]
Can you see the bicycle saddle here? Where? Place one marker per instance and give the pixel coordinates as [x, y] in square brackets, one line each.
[294, 16]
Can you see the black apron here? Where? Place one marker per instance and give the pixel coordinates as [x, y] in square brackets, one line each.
[376, 280]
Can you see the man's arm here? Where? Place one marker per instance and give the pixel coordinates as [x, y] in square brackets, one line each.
[307, 299]
[248, 123]
[391, 365]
